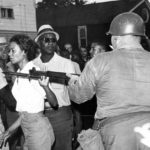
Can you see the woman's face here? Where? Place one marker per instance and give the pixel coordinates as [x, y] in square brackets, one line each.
[16, 55]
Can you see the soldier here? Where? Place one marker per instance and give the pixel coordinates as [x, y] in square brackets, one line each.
[121, 81]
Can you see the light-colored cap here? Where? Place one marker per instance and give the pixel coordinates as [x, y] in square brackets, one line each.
[3, 41]
[46, 28]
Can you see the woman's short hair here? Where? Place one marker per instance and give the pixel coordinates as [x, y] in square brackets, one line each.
[26, 44]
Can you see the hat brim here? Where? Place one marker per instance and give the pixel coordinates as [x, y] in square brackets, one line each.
[56, 34]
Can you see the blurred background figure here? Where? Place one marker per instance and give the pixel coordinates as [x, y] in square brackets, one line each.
[97, 48]
[84, 57]
[93, 43]
[3, 52]
[3, 59]
[8, 113]
[75, 59]
[68, 47]
[77, 120]
[58, 50]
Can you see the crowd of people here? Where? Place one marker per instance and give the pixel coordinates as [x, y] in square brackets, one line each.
[48, 113]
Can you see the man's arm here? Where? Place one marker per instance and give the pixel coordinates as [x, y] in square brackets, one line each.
[82, 89]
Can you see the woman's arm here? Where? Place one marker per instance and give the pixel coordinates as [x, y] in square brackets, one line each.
[10, 130]
[15, 125]
[51, 97]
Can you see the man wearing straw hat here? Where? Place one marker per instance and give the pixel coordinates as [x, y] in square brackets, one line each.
[61, 118]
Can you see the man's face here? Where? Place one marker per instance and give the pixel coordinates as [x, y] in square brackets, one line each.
[83, 52]
[93, 44]
[97, 49]
[3, 52]
[68, 47]
[48, 43]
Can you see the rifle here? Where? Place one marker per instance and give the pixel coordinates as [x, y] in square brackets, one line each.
[56, 77]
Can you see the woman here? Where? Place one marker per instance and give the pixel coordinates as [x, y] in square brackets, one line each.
[30, 96]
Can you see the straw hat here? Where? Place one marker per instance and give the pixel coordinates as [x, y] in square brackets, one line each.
[46, 29]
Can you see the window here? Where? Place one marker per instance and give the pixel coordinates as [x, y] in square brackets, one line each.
[10, 13]
[82, 36]
[7, 13]
[3, 12]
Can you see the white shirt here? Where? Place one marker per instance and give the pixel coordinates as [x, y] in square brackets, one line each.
[58, 64]
[1, 126]
[3, 81]
[28, 93]
[77, 67]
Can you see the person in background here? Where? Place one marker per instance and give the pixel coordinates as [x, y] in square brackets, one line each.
[121, 81]
[7, 100]
[30, 96]
[3, 48]
[65, 54]
[87, 109]
[62, 118]
[3, 60]
[58, 50]
[75, 59]
[7, 103]
[84, 57]
[4, 107]
[68, 47]
[77, 120]
[93, 43]
[97, 48]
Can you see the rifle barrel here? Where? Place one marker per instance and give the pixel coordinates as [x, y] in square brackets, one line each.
[56, 77]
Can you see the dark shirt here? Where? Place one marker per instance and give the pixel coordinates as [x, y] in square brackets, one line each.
[7, 98]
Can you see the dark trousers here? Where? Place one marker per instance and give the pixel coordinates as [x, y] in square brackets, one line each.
[62, 123]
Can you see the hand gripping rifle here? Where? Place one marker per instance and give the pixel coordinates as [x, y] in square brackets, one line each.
[56, 77]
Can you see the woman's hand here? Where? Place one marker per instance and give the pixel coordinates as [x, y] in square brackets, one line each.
[3, 137]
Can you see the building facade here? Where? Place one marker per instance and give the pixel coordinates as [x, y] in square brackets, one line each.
[17, 16]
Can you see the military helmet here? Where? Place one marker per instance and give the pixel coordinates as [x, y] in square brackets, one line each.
[127, 23]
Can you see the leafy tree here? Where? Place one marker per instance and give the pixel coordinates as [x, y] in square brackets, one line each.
[60, 3]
